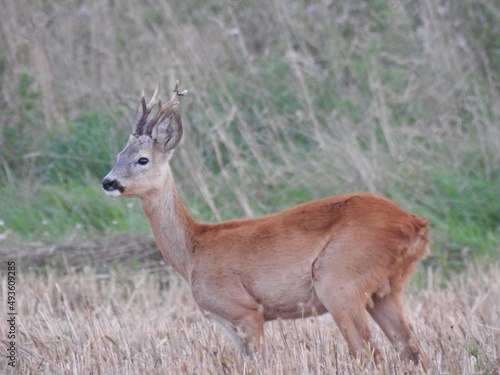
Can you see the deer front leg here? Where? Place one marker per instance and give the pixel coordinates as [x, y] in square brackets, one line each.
[247, 333]
[251, 329]
[238, 312]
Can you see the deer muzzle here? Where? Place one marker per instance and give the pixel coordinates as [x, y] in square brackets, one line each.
[113, 188]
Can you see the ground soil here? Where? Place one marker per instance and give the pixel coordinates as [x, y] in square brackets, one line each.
[100, 253]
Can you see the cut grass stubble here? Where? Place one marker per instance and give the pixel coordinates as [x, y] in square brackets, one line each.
[146, 322]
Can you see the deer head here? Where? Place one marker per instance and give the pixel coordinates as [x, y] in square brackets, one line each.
[143, 164]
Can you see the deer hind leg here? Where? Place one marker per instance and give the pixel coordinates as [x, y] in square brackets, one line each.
[348, 309]
[387, 311]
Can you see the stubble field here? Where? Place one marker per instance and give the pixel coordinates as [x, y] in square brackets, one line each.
[146, 322]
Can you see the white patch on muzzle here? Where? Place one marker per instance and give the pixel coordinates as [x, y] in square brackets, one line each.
[113, 193]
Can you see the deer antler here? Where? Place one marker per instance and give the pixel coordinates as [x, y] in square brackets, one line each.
[164, 109]
[141, 117]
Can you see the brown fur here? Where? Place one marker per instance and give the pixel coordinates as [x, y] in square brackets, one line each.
[345, 255]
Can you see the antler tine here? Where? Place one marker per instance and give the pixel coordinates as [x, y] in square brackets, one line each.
[163, 108]
[146, 110]
[154, 99]
[172, 101]
[143, 104]
[176, 90]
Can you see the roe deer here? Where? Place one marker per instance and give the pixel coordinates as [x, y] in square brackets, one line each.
[344, 255]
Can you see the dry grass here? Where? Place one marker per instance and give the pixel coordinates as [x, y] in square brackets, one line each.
[289, 101]
[146, 322]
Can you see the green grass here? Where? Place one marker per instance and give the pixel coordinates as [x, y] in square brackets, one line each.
[53, 212]
[464, 211]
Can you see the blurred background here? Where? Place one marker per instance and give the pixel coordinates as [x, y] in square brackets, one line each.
[288, 101]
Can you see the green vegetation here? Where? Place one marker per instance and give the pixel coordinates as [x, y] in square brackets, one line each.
[288, 102]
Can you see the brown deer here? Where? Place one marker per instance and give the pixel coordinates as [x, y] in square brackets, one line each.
[344, 255]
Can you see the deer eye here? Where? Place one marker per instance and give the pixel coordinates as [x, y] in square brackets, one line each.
[143, 161]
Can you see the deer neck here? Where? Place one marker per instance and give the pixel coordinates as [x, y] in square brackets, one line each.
[172, 226]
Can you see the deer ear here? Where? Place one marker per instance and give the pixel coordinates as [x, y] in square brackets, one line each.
[168, 132]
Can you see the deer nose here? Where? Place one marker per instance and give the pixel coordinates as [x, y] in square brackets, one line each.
[110, 185]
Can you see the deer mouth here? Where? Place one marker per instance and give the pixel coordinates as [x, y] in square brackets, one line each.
[113, 188]
[113, 193]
